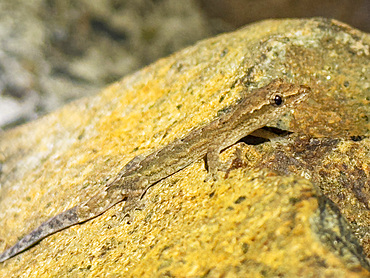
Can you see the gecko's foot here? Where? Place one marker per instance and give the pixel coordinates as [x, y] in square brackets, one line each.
[216, 167]
[127, 214]
[223, 167]
[211, 177]
[213, 172]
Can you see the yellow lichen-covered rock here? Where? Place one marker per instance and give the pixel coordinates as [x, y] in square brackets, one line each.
[271, 214]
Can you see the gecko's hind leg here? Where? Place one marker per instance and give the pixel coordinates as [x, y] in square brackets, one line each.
[128, 210]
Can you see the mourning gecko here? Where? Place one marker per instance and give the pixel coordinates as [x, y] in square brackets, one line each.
[252, 112]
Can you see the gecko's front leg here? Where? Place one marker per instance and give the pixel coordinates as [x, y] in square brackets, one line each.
[213, 162]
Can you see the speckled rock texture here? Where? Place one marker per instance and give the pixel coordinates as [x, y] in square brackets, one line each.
[295, 206]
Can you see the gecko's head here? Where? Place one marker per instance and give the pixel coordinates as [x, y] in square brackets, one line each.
[283, 94]
[272, 101]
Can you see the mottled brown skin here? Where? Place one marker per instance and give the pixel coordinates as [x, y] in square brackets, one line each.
[251, 113]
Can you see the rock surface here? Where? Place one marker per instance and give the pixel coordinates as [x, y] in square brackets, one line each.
[296, 206]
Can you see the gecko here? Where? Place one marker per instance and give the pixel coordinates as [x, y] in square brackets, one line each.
[250, 113]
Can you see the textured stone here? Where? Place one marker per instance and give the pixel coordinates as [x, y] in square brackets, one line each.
[253, 221]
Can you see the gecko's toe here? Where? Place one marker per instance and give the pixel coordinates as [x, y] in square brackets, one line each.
[127, 214]
[211, 177]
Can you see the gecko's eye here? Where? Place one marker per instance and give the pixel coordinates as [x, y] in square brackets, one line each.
[278, 100]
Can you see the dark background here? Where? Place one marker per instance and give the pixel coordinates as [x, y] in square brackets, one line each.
[241, 12]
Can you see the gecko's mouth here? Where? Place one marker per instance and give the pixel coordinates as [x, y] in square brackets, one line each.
[263, 135]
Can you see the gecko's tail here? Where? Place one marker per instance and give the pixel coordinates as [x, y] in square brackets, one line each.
[121, 189]
[59, 222]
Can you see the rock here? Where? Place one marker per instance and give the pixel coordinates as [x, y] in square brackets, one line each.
[286, 207]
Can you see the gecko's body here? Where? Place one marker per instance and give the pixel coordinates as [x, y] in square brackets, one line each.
[251, 113]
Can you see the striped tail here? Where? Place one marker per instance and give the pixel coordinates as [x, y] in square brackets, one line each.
[59, 222]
